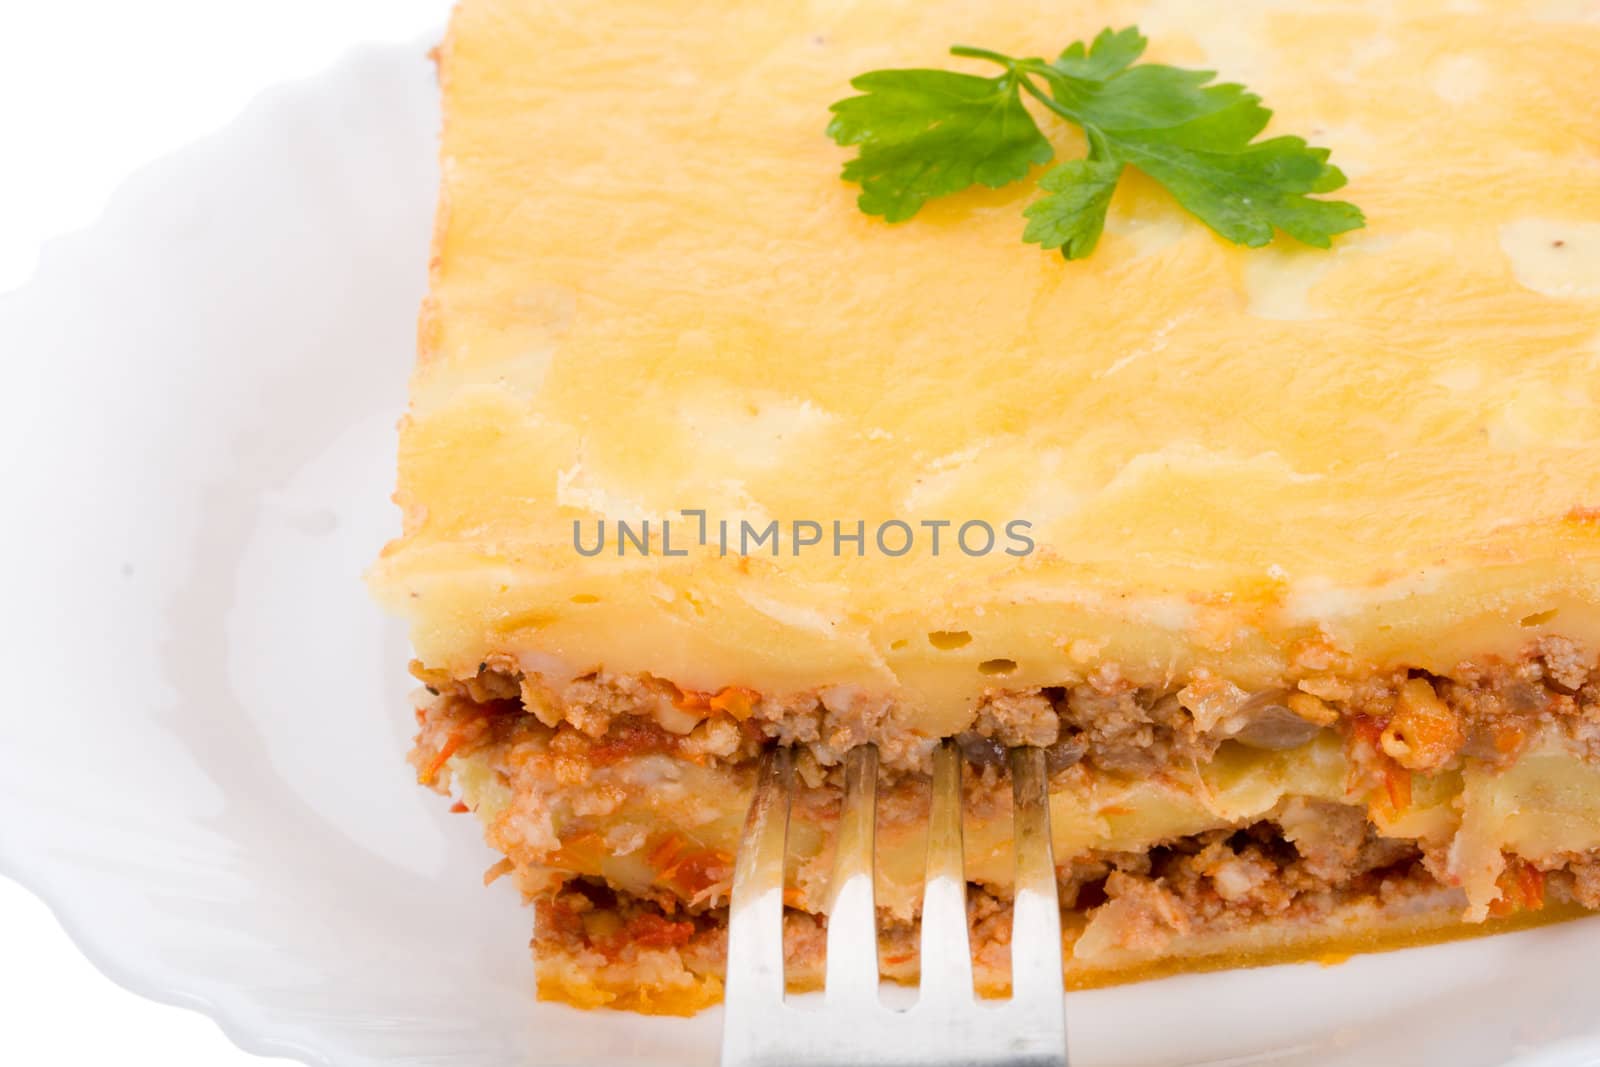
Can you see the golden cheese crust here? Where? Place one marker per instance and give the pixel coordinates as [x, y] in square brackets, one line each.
[650, 293]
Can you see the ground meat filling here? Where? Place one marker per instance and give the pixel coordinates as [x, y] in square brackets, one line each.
[1421, 722]
[1211, 883]
[1302, 863]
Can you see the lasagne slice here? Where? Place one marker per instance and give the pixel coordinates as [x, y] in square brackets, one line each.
[1290, 559]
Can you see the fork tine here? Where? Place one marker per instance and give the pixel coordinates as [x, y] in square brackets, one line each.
[852, 967]
[946, 949]
[947, 1027]
[1036, 913]
[755, 919]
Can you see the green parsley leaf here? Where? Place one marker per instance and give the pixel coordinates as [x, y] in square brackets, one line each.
[1245, 195]
[1073, 214]
[925, 133]
[928, 133]
[1111, 53]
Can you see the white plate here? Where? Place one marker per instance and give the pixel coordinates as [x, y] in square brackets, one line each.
[201, 753]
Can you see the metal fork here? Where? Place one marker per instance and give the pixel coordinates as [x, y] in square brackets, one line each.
[948, 1026]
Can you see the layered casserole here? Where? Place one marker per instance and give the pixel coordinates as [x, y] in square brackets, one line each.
[1289, 558]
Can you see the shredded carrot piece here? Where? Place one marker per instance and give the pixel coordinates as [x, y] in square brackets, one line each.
[493, 874]
[1397, 783]
[691, 700]
[736, 701]
[459, 808]
[570, 855]
[431, 771]
[1530, 881]
[665, 852]
[1521, 887]
[1366, 735]
[1508, 739]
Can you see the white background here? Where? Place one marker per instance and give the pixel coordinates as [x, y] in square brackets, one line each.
[90, 91]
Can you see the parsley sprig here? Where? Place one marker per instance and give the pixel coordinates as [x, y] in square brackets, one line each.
[923, 134]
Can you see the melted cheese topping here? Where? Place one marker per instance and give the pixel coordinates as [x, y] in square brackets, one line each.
[651, 292]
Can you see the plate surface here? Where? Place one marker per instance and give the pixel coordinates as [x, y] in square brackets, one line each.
[202, 757]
